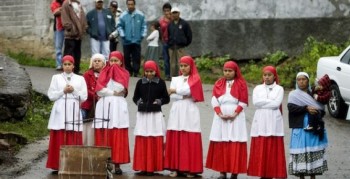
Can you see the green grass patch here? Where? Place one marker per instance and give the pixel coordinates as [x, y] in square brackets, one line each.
[34, 125]
[23, 58]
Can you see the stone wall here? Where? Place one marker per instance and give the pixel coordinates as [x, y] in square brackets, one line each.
[15, 88]
[244, 29]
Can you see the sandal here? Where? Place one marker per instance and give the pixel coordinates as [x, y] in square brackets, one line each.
[141, 173]
[173, 174]
[190, 175]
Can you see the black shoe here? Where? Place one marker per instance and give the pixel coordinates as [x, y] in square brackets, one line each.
[149, 173]
[141, 173]
[55, 172]
[118, 171]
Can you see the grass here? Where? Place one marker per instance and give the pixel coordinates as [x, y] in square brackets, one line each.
[23, 58]
[34, 125]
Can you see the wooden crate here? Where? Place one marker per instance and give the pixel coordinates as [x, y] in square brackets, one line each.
[83, 161]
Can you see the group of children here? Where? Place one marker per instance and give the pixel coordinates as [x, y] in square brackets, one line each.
[105, 86]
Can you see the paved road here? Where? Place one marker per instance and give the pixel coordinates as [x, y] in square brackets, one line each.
[338, 132]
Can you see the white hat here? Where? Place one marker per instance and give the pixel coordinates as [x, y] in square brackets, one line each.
[98, 0]
[97, 56]
[175, 9]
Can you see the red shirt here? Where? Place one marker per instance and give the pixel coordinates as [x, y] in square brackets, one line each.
[90, 80]
[54, 7]
[164, 22]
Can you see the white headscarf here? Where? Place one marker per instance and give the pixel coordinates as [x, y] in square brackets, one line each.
[97, 56]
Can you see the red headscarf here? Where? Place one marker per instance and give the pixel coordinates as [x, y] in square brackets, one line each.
[272, 70]
[152, 65]
[115, 72]
[194, 79]
[118, 55]
[68, 58]
[239, 89]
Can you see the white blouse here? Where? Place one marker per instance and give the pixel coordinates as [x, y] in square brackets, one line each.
[227, 130]
[268, 120]
[68, 104]
[184, 113]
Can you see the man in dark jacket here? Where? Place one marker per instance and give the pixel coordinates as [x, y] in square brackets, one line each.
[101, 24]
[74, 24]
[180, 36]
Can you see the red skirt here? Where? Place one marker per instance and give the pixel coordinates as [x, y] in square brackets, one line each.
[58, 138]
[267, 157]
[228, 157]
[148, 153]
[183, 152]
[118, 140]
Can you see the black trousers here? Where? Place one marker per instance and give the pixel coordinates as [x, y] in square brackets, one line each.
[113, 45]
[73, 47]
[132, 55]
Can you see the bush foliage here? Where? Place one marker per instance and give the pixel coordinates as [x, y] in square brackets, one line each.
[287, 67]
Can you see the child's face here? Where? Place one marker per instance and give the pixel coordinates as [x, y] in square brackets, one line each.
[152, 28]
[185, 69]
[268, 77]
[229, 73]
[149, 73]
[97, 64]
[68, 67]
[115, 60]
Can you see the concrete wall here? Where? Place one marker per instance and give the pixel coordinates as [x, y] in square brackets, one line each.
[244, 29]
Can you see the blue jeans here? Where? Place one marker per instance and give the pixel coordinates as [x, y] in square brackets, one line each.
[165, 54]
[59, 38]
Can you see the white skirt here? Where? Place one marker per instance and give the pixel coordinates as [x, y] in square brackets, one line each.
[184, 116]
[111, 112]
[63, 114]
[149, 124]
[227, 130]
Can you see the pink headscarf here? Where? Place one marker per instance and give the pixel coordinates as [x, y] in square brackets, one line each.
[272, 70]
[150, 64]
[68, 58]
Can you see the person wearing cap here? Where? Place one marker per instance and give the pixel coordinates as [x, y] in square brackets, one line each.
[67, 90]
[101, 24]
[164, 21]
[149, 96]
[74, 24]
[112, 115]
[58, 31]
[179, 37]
[114, 36]
[97, 62]
[307, 150]
[132, 29]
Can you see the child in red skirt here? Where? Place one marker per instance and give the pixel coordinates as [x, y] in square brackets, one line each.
[228, 137]
[267, 155]
[150, 94]
[65, 122]
[183, 150]
[111, 115]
